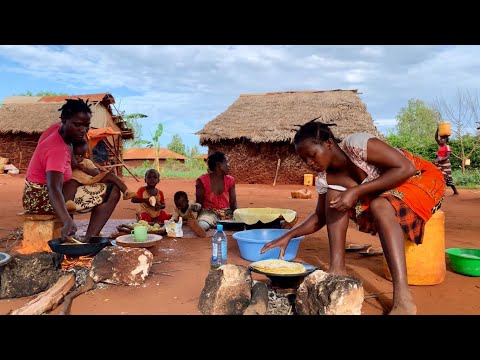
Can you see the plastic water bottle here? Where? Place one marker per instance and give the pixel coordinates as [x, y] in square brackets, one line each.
[219, 248]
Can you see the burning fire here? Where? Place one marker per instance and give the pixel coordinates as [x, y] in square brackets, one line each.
[27, 247]
[68, 262]
[72, 261]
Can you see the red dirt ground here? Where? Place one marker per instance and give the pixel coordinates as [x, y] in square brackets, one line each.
[176, 282]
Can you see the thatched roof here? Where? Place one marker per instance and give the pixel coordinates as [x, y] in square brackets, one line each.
[28, 118]
[33, 114]
[271, 117]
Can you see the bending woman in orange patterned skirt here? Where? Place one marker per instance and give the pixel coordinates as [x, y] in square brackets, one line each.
[384, 190]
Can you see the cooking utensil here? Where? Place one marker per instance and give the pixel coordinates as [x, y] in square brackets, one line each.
[72, 239]
[287, 281]
[308, 269]
[251, 242]
[96, 244]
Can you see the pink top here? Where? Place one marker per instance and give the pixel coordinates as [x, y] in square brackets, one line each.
[442, 150]
[49, 132]
[52, 154]
[214, 201]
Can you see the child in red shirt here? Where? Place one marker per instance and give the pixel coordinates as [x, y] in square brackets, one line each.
[151, 200]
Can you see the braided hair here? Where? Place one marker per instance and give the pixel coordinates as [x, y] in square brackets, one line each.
[72, 107]
[318, 132]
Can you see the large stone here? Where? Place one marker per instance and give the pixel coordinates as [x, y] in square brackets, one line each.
[29, 274]
[227, 291]
[322, 293]
[121, 266]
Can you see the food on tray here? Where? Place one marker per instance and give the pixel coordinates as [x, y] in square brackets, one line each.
[277, 266]
[155, 227]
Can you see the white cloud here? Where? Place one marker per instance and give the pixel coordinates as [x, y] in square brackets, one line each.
[186, 86]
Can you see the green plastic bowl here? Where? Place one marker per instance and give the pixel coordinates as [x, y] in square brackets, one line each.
[464, 261]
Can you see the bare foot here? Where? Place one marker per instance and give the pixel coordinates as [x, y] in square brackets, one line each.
[195, 226]
[456, 194]
[407, 309]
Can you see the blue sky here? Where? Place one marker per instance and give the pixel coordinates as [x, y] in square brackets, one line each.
[184, 87]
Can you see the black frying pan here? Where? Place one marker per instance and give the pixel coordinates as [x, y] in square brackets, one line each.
[96, 244]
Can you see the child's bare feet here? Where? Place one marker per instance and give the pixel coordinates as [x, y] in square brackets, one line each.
[195, 226]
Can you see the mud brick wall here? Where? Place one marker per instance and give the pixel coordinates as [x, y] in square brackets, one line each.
[18, 148]
[252, 163]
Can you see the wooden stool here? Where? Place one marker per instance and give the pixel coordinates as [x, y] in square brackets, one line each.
[37, 231]
[426, 262]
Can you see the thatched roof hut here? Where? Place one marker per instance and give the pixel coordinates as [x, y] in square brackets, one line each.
[28, 118]
[257, 130]
[24, 118]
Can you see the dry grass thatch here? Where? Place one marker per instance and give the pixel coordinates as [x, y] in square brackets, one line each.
[272, 117]
[28, 118]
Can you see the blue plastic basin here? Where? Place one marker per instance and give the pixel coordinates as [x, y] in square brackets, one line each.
[250, 242]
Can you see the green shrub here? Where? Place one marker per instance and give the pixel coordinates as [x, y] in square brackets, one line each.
[469, 180]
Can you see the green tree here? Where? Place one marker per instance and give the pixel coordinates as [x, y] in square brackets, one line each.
[194, 161]
[464, 115]
[415, 130]
[177, 145]
[134, 124]
[43, 93]
[156, 144]
[416, 123]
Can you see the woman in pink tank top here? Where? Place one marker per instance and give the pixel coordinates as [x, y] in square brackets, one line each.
[215, 191]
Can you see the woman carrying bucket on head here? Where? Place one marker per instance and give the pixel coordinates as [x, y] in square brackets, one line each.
[443, 156]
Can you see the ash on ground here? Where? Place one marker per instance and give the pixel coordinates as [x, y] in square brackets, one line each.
[280, 304]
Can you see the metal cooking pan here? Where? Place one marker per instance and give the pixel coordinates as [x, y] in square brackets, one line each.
[308, 269]
[286, 280]
[96, 244]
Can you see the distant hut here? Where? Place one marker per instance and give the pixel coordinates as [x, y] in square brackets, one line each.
[24, 118]
[136, 157]
[258, 129]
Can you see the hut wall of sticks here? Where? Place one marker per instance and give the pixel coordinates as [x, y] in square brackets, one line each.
[257, 130]
[24, 118]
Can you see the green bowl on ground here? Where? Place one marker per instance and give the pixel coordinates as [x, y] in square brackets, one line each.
[464, 261]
